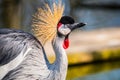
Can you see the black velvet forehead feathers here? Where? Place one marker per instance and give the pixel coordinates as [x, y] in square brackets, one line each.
[67, 20]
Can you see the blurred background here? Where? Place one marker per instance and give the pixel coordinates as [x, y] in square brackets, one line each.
[94, 52]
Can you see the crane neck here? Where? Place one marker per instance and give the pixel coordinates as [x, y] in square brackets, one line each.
[61, 62]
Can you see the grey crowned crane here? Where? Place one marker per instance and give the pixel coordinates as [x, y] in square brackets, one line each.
[22, 56]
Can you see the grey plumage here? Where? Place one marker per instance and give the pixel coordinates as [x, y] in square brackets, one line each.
[34, 65]
[9, 41]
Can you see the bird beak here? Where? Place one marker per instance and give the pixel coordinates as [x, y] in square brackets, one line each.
[77, 25]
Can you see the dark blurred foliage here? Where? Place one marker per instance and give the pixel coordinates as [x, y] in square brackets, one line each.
[18, 13]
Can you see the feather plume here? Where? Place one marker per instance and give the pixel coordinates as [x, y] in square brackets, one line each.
[45, 22]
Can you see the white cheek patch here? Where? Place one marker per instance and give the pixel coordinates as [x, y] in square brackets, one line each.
[63, 29]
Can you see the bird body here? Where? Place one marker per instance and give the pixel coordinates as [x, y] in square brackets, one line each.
[22, 56]
[31, 64]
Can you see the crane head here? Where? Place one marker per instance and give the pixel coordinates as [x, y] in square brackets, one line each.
[46, 19]
[65, 26]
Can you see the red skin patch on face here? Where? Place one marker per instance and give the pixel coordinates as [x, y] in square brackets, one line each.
[59, 24]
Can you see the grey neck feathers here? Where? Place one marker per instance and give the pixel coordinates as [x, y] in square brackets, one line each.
[61, 63]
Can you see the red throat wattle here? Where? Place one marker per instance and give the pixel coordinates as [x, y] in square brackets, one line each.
[66, 43]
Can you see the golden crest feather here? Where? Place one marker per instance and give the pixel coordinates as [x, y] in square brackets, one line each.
[45, 22]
